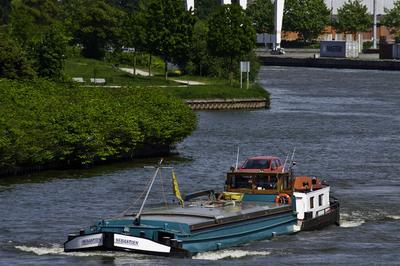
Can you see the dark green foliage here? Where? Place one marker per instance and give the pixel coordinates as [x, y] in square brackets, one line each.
[126, 5]
[203, 8]
[30, 18]
[230, 32]
[98, 26]
[306, 17]
[13, 60]
[392, 19]
[353, 17]
[49, 53]
[261, 13]
[231, 36]
[199, 53]
[5, 9]
[167, 30]
[49, 124]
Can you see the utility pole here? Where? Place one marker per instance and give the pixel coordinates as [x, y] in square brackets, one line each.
[374, 29]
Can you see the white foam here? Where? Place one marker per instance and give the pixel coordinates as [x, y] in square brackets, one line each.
[394, 217]
[224, 254]
[57, 250]
[353, 223]
[41, 250]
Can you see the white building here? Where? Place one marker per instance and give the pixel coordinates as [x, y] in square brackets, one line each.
[380, 5]
[243, 3]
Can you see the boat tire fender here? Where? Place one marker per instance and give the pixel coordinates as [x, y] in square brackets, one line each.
[283, 198]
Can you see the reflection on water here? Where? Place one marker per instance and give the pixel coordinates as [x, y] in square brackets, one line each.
[345, 128]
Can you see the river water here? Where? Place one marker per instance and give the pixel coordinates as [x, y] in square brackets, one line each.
[344, 124]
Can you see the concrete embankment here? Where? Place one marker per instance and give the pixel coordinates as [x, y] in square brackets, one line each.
[222, 104]
[330, 63]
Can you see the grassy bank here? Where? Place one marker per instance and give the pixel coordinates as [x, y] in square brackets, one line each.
[212, 88]
[90, 68]
[217, 91]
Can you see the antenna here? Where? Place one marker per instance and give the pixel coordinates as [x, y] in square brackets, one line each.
[237, 158]
[284, 165]
[291, 159]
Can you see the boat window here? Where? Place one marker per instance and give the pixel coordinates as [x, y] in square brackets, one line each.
[311, 202]
[285, 182]
[256, 164]
[320, 199]
[239, 181]
[266, 182]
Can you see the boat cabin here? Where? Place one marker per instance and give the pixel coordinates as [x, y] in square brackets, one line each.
[312, 197]
[259, 183]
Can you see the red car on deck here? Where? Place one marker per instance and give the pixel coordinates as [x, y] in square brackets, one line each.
[269, 164]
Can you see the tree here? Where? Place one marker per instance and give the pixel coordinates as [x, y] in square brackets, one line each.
[98, 27]
[14, 63]
[203, 8]
[231, 35]
[306, 17]
[169, 29]
[353, 17]
[5, 9]
[261, 13]
[199, 54]
[126, 5]
[49, 53]
[392, 19]
[30, 18]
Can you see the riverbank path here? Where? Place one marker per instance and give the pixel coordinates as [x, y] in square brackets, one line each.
[146, 73]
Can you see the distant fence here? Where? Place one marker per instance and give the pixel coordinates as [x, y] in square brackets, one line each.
[225, 104]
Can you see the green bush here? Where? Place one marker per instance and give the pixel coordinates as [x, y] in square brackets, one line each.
[366, 45]
[43, 123]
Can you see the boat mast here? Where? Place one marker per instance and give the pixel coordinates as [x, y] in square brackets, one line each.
[137, 217]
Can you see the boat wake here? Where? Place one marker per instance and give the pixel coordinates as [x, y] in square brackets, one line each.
[357, 218]
[394, 217]
[58, 250]
[354, 223]
[229, 254]
[212, 255]
[350, 220]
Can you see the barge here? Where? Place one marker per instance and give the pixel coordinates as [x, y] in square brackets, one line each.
[255, 205]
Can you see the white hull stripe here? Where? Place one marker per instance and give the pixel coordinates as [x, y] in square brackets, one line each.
[137, 243]
[88, 241]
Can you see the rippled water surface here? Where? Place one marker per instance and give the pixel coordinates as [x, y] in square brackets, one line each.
[344, 124]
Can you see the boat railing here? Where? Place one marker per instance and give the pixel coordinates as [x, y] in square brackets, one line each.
[334, 204]
[210, 193]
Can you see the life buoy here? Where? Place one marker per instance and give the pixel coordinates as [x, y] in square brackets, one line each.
[283, 198]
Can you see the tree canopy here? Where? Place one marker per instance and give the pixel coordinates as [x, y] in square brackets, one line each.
[49, 53]
[231, 35]
[203, 8]
[99, 26]
[13, 60]
[306, 17]
[353, 17]
[231, 32]
[5, 9]
[261, 13]
[392, 19]
[165, 29]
